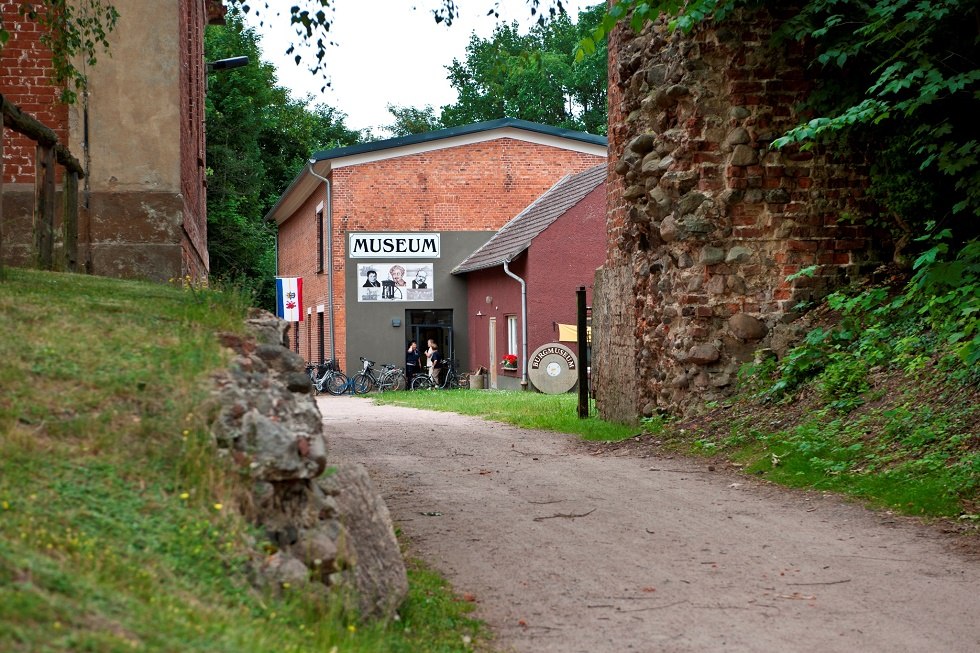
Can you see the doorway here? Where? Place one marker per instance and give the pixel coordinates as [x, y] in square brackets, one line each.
[421, 325]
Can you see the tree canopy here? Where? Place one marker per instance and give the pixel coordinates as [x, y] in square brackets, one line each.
[312, 20]
[532, 76]
[257, 139]
[76, 31]
[412, 120]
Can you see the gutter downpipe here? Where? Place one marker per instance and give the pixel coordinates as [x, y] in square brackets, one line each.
[523, 324]
[329, 210]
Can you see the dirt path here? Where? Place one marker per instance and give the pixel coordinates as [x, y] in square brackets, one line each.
[567, 551]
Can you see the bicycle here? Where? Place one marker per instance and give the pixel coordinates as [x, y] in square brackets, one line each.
[339, 383]
[450, 379]
[392, 378]
[360, 383]
[320, 372]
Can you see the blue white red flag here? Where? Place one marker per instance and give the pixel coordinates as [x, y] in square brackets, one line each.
[289, 298]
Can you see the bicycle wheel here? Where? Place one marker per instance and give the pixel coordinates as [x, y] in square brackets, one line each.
[422, 382]
[393, 380]
[452, 381]
[362, 383]
[336, 383]
[320, 384]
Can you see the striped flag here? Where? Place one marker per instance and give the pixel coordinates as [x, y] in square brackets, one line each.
[289, 298]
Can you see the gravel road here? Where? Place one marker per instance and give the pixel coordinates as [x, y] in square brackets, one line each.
[568, 549]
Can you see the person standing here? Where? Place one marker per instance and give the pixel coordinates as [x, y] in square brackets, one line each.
[428, 356]
[413, 363]
[435, 362]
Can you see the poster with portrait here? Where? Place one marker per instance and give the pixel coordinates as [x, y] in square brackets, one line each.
[394, 282]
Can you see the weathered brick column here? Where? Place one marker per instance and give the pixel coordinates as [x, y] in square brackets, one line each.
[706, 221]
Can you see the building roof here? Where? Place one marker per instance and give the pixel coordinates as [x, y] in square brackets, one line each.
[516, 236]
[451, 132]
[321, 163]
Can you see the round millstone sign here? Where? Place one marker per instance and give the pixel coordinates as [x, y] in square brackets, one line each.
[553, 368]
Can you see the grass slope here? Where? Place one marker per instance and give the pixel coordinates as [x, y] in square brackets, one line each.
[118, 528]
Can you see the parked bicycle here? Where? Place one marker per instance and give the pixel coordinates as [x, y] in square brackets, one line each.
[360, 383]
[392, 378]
[339, 383]
[448, 375]
[320, 372]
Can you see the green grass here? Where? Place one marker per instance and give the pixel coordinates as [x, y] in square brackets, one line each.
[905, 460]
[914, 449]
[530, 410]
[118, 524]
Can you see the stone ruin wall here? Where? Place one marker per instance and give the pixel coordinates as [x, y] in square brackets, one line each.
[706, 222]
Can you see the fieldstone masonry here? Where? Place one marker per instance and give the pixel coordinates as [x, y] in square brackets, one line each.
[325, 527]
[707, 222]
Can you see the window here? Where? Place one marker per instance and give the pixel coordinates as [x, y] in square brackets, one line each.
[296, 337]
[319, 240]
[512, 334]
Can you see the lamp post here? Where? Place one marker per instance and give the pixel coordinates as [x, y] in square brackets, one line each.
[226, 64]
[222, 64]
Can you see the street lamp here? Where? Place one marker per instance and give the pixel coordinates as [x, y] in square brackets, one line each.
[226, 64]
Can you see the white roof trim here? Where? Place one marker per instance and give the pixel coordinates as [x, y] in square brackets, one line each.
[470, 139]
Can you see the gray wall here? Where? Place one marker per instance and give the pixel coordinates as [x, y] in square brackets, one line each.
[369, 330]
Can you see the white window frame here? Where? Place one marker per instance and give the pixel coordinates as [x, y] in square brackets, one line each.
[512, 343]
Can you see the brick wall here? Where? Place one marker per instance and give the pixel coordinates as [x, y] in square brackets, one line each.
[25, 71]
[475, 187]
[560, 260]
[505, 294]
[706, 220]
[298, 257]
[193, 18]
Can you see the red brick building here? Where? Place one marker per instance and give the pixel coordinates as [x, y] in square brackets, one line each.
[554, 246]
[409, 210]
[138, 132]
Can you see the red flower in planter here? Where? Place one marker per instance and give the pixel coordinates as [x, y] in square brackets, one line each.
[510, 360]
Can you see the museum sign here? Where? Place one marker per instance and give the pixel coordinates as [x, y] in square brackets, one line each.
[393, 245]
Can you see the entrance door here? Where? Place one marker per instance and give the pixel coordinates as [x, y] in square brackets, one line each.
[437, 325]
[493, 353]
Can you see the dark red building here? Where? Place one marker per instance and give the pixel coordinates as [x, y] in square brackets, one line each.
[554, 246]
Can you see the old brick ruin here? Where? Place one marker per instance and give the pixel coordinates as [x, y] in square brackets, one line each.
[706, 221]
[323, 529]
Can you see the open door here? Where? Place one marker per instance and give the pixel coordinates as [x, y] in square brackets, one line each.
[421, 325]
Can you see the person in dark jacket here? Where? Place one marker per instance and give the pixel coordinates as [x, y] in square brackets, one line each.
[435, 362]
[413, 363]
